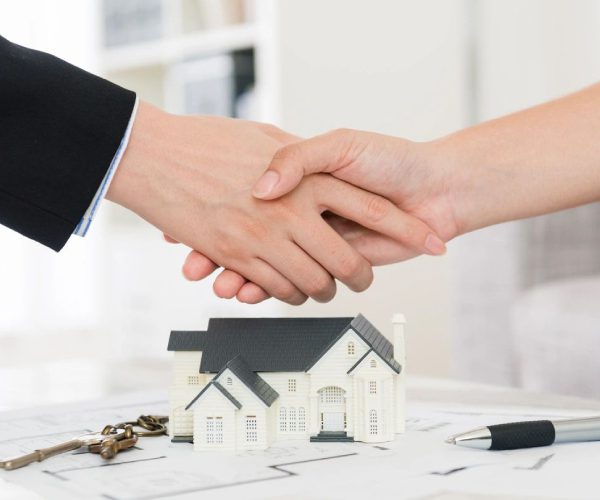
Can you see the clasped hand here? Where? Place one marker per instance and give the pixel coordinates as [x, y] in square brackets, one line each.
[193, 178]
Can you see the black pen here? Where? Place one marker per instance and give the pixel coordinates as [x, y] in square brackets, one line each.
[529, 434]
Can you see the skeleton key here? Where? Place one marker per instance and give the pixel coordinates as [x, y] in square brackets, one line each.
[111, 446]
[89, 440]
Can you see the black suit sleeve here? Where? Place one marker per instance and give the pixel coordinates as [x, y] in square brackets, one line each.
[60, 128]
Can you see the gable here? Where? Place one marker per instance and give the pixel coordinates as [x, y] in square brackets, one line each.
[372, 337]
[337, 357]
[366, 359]
[213, 387]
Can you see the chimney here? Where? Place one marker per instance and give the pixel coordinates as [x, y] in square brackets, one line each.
[398, 322]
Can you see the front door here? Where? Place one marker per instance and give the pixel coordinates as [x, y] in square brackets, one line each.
[333, 421]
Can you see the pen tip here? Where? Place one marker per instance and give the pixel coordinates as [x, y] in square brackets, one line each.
[451, 440]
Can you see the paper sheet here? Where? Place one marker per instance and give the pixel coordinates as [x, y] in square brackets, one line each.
[417, 465]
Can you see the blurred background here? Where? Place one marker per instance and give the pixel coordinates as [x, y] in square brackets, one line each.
[515, 304]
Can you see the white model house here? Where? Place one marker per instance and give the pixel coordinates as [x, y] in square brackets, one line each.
[246, 382]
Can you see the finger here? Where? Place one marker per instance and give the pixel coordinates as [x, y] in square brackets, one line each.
[379, 250]
[228, 284]
[323, 153]
[302, 270]
[272, 282]
[168, 239]
[197, 267]
[377, 213]
[251, 293]
[328, 248]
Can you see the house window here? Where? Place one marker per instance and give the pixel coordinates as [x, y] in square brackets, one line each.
[350, 349]
[194, 380]
[332, 395]
[210, 430]
[228, 381]
[251, 429]
[282, 419]
[292, 420]
[218, 430]
[373, 424]
[372, 387]
[373, 364]
[301, 420]
[292, 385]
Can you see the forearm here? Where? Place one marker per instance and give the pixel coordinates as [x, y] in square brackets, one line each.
[540, 160]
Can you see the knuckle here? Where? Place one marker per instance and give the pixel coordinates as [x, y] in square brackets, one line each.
[377, 209]
[269, 128]
[287, 154]
[342, 133]
[320, 286]
[225, 244]
[349, 267]
[284, 291]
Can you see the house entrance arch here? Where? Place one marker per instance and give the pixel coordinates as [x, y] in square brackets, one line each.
[332, 409]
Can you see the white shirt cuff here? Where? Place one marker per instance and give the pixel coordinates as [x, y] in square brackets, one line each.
[90, 213]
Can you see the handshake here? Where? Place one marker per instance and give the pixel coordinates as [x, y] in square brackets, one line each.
[286, 217]
[281, 216]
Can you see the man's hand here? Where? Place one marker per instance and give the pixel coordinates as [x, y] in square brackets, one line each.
[192, 177]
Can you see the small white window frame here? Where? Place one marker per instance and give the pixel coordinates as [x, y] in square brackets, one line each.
[351, 348]
[251, 429]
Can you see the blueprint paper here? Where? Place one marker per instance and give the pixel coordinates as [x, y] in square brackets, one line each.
[417, 465]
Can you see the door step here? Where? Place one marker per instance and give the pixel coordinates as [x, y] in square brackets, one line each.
[331, 437]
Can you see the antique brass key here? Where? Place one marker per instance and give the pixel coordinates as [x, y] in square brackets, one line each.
[107, 443]
[93, 439]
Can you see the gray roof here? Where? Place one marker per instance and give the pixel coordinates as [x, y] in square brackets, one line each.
[374, 339]
[276, 344]
[239, 367]
[223, 391]
[187, 341]
[269, 344]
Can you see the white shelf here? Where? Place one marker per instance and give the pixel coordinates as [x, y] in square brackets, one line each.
[168, 50]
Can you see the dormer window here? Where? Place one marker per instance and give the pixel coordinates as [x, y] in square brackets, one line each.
[228, 381]
[350, 349]
[373, 363]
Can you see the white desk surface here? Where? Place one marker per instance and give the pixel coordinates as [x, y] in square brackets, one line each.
[417, 465]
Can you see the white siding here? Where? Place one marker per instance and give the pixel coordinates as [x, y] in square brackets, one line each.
[382, 402]
[290, 400]
[186, 366]
[185, 363]
[213, 404]
[251, 405]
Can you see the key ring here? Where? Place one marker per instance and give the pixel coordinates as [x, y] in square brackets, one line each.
[154, 425]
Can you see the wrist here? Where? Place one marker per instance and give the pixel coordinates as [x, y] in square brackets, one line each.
[135, 178]
[463, 180]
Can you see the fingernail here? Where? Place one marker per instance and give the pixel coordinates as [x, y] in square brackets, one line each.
[266, 183]
[434, 245]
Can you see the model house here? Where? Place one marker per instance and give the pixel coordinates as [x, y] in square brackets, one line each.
[246, 382]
